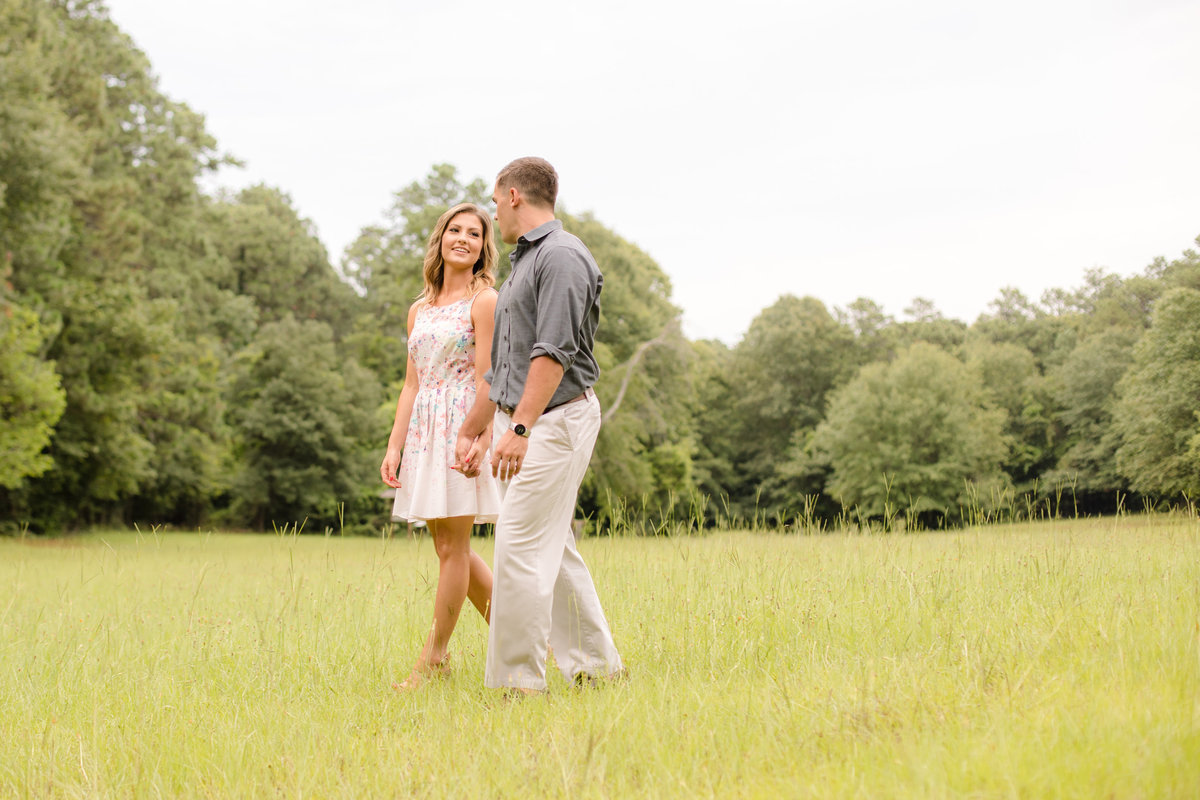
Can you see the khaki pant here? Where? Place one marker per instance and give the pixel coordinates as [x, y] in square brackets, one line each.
[542, 592]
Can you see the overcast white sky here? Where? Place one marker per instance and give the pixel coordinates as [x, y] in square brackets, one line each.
[890, 150]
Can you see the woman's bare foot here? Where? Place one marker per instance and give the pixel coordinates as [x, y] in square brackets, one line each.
[422, 673]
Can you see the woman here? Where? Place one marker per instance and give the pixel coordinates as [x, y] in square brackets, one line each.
[449, 351]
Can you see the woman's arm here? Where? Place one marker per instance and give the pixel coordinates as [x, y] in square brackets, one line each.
[475, 436]
[404, 407]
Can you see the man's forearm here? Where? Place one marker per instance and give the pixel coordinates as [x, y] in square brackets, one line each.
[477, 419]
[544, 376]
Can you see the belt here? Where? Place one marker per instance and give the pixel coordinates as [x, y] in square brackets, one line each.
[510, 409]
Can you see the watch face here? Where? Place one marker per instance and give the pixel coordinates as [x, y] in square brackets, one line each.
[520, 430]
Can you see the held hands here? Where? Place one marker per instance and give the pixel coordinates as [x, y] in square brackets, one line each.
[469, 452]
[509, 455]
[389, 467]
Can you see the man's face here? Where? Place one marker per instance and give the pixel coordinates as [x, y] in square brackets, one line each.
[505, 216]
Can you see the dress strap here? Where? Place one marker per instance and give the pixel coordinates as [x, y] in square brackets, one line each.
[474, 297]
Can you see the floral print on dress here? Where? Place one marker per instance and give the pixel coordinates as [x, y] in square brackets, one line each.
[442, 347]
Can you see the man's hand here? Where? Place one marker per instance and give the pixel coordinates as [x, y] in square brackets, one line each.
[509, 455]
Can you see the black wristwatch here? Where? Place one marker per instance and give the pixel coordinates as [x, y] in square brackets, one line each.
[521, 430]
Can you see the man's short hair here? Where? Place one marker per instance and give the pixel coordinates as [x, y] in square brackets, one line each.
[534, 177]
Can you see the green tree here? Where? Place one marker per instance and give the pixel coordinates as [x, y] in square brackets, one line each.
[927, 324]
[876, 333]
[277, 260]
[791, 357]
[305, 426]
[1014, 319]
[1182, 272]
[916, 435]
[183, 417]
[42, 151]
[1085, 390]
[1157, 415]
[93, 158]
[646, 445]
[31, 399]
[1012, 382]
[715, 473]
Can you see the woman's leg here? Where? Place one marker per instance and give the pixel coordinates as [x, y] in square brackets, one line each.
[452, 541]
[462, 574]
[479, 591]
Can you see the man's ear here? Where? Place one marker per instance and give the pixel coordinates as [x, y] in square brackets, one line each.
[514, 196]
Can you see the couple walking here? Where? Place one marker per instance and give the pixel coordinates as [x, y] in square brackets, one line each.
[510, 372]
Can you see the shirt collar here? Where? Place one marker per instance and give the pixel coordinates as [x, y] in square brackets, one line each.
[540, 232]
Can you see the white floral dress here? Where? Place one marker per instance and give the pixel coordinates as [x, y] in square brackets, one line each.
[442, 347]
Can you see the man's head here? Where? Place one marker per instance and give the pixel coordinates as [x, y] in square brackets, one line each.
[526, 191]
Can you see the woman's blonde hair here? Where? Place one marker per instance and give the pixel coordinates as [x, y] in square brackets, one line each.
[483, 274]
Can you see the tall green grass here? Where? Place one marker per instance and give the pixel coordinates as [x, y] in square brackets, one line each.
[1051, 659]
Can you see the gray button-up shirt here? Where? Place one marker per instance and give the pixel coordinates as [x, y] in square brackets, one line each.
[549, 306]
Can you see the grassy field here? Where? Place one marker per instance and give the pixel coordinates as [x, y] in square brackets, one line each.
[1058, 659]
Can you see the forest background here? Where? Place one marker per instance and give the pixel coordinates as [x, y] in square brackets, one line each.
[173, 357]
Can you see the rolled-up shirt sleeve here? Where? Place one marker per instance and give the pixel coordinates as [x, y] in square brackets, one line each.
[566, 287]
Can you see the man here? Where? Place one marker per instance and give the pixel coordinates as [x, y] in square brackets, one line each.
[545, 420]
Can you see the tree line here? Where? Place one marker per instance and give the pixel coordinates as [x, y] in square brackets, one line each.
[167, 356]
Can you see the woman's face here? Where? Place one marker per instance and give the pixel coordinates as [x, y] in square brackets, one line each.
[463, 241]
